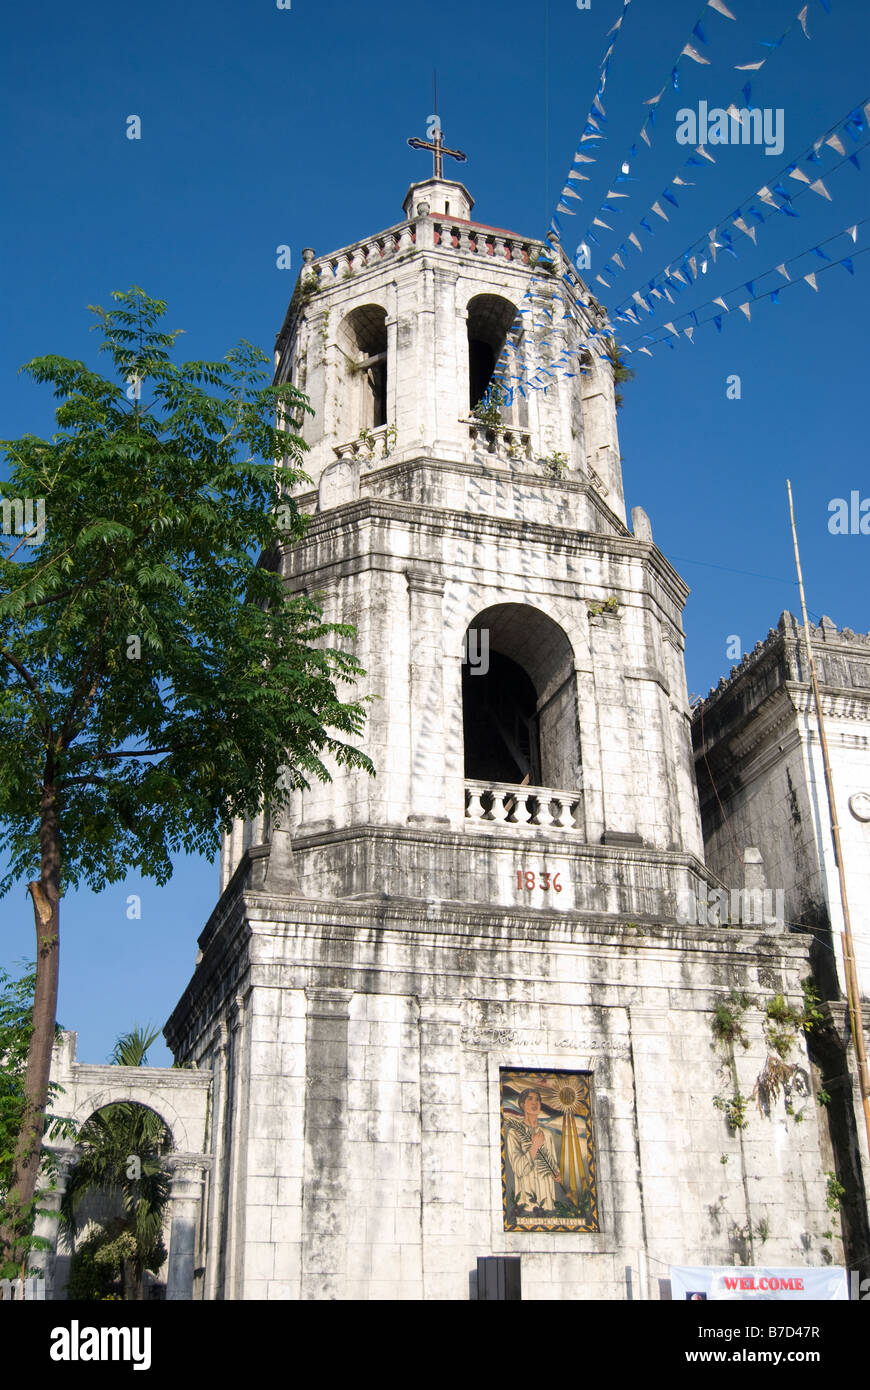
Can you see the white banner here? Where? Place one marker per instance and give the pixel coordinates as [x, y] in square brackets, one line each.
[722, 1282]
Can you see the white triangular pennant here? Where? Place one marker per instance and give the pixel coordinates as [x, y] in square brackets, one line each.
[721, 8]
[596, 222]
[852, 232]
[836, 144]
[767, 197]
[744, 309]
[749, 67]
[811, 281]
[783, 272]
[689, 333]
[699, 149]
[646, 140]
[633, 239]
[802, 20]
[653, 101]
[799, 175]
[720, 300]
[671, 328]
[657, 208]
[819, 187]
[693, 53]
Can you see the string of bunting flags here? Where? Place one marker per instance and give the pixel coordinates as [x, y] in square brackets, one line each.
[544, 310]
[721, 307]
[700, 158]
[595, 120]
[592, 130]
[694, 262]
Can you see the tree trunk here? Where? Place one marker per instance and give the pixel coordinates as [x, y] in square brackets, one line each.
[45, 893]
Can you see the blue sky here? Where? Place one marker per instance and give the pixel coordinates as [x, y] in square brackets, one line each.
[263, 127]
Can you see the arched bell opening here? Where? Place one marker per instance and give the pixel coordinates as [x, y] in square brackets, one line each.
[490, 318]
[500, 723]
[362, 340]
[519, 700]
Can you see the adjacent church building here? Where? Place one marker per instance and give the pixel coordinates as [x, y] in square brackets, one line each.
[459, 1011]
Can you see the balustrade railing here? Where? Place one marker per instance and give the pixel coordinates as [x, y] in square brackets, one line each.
[508, 805]
[447, 235]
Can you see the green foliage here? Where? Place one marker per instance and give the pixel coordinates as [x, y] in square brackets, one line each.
[556, 464]
[156, 512]
[823, 1097]
[813, 1015]
[122, 1149]
[488, 410]
[16, 1029]
[727, 1022]
[621, 373]
[608, 605]
[734, 1109]
[835, 1192]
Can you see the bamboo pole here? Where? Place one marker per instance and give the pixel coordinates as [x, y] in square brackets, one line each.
[853, 996]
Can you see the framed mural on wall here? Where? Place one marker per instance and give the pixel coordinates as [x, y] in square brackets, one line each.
[547, 1151]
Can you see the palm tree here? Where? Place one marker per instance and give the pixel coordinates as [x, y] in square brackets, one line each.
[121, 1150]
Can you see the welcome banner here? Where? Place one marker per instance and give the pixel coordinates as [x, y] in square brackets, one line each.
[721, 1282]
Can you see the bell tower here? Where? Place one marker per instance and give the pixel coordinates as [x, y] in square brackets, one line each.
[452, 1011]
[524, 647]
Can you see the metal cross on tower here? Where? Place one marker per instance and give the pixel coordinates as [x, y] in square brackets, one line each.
[435, 143]
[439, 149]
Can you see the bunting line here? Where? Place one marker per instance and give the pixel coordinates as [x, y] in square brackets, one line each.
[695, 260]
[647, 341]
[695, 160]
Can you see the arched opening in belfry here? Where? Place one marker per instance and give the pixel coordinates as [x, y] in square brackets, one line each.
[500, 723]
[489, 321]
[519, 700]
[362, 339]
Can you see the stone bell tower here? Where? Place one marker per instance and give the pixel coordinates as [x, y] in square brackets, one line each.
[403, 967]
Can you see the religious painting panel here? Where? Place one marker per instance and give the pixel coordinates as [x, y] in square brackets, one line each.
[547, 1151]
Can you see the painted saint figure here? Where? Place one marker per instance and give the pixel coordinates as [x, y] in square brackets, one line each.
[531, 1153]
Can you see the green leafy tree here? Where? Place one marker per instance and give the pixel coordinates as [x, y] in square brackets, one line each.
[16, 1029]
[120, 1155]
[156, 681]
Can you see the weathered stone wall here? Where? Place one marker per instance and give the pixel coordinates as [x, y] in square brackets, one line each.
[367, 1107]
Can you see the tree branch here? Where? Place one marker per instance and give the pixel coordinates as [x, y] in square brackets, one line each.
[31, 684]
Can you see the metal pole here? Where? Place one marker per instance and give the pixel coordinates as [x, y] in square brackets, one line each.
[853, 997]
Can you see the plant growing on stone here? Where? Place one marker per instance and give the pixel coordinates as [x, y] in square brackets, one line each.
[608, 605]
[488, 409]
[556, 464]
[156, 683]
[733, 1108]
[727, 1022]
[773, 1079]
[834, 1192]
[621, 373]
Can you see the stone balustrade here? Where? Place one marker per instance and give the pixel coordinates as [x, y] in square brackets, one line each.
[374, 444]
[505, 441]
[402, 238]
[510, 806]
